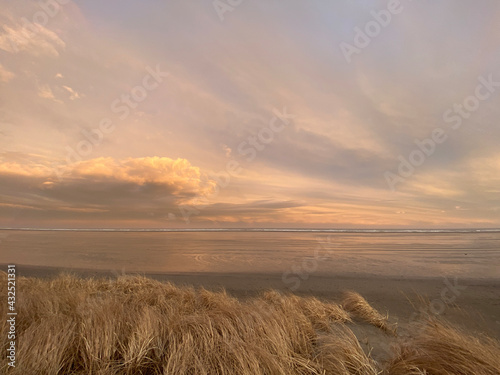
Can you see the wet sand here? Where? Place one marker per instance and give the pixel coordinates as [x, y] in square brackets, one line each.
[473, 304]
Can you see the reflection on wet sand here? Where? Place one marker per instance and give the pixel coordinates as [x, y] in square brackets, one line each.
[475, 255]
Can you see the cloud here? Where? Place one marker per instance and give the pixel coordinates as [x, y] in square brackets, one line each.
[25, 164]
[45, 92]
[137, 186]
[73, 94]
[227, 150]
[31, 38]
[5, 75]
[178, 175]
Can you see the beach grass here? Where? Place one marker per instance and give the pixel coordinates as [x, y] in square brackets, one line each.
[136, 325]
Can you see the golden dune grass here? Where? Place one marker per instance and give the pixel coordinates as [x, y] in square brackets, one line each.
[135, 325]
[439, 349]
[359, 307]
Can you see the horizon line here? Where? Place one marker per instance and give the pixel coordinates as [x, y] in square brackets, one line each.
[277, 229]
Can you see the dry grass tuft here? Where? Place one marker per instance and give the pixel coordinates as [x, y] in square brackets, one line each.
[336, 360]
[358, 306]
[439, 349]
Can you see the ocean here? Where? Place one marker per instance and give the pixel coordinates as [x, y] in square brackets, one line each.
[392, 253]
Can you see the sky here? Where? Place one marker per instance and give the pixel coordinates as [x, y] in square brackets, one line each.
[249, 113]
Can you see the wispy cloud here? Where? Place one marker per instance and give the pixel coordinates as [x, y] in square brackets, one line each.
[73, 94]
[35, 40]
[44, 91]
[5, 75]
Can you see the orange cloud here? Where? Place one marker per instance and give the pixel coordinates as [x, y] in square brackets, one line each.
[37, 41]
[20, 169]
[178, 173]
[102, 182]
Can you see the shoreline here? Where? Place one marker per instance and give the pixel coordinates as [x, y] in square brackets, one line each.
[30, 269]
[313, 280]
[316, 283]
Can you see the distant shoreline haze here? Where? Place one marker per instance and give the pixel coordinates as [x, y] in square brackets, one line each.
[307, 230]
